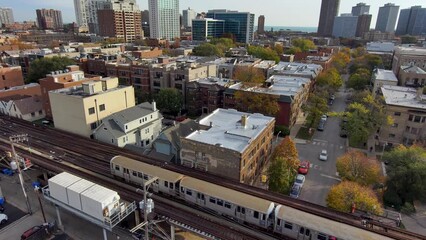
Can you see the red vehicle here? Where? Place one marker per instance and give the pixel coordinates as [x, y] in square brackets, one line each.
[304, 167]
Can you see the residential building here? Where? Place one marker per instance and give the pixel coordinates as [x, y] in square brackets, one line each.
[203, 29]
[240, 24]
[386, 18]
[167, 146]
[120, 19]
[70, 77]
[49, 19]
[24, 107]
[145, 23]
[406, 56]
[6, 16]
[345, 26]
[412, 21]
[81, 109]
[225, 67]
[324, 61]
[164, 19]
[261, 24]
[48, 38]
[205, 95]
[10, 77]
[137, 126]
[363, 25]
[360, 9]
[407, 106]
[412, 76]
[32, 89]
[303, 70]
[20, 26]
[382, 49]
[236, 145]
[265, 66]
[187, 16]
[329, 10]
[86, 13]
[382, 77]
[147, 52]
[373, 35]
[290, 93]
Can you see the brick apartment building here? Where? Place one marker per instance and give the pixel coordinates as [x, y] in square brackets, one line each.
[10, 77]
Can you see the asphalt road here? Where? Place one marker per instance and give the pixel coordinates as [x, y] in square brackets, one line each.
[12, 213]
[323, 174]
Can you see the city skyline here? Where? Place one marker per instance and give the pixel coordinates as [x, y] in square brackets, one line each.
[274, 16]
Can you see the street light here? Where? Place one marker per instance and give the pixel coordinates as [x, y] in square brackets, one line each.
[15, 139]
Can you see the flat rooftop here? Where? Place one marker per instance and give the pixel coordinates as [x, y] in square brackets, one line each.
[227, 131]
[215, 80]
[411, 51]
[385, 75]
[403, 97]
[297, 69]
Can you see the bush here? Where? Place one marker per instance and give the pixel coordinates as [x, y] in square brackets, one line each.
[391, 198]
[408, 208]
[283, 129]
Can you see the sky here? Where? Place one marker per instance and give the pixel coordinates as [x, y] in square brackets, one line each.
[300, 13]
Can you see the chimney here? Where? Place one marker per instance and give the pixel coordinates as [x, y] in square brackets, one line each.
[154, 106]
[244, 120]
[211, 124]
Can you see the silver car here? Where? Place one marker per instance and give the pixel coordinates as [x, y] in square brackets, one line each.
[323, 155]
[300, 180]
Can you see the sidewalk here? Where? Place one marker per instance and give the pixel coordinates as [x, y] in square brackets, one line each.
[417, 221]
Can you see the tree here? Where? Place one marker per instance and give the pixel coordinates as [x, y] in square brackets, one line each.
[342, 197]
[293, 50]
[207, 49]
[169, 100]
[266, 104]
[263, 53]
[407, 39]
[42, 66]
[360, 79]
[315, 107]
[303, 44]
[279, 49]
[406, 180]
[355, 166]
[330, 78]
[249, 76]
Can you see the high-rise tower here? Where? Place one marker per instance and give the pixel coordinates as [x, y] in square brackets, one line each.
[329, 10]
[164, 19]
[386, 19]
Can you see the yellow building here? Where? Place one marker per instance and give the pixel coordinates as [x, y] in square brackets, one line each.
[81, 109]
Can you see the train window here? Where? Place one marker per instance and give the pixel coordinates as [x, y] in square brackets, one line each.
[278, 222]
[308, 232]
[220, 202]
[213, 200]
[134, 173]
[321, 236]
[228, 205]
[256, 214]
[263, 217]
[157, 181]
[238, 209]
[140, 175]
[145, 177]
[117, 167]
[171, 186]
[182, 190]
[243, 210]
[166, 184]
[288, 225]
[188, 192]
[302, 230]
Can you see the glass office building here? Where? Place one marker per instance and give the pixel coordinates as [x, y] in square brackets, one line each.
[202, 29]
[240, 24]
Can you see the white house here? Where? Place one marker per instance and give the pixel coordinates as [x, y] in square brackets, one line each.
[139, 126]
[25, 107]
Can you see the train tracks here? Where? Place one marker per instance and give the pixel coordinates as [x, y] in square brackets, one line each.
[95, 155]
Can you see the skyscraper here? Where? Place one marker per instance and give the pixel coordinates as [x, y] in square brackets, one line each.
[386, 19]
[187, 16]
[204, 28]
[345, 25]
[120, 19]
[86, 13]
[164, 19]
[360, 9]
[240, 24]
[49, 19]
[261, 24]
[145, 22]
[363, 25]
[412, 21]
[329, 10]
[6, 16]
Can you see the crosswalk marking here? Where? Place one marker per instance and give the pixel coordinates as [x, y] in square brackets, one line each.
[331, 177]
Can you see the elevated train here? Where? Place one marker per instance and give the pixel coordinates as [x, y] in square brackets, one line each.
[240, 206]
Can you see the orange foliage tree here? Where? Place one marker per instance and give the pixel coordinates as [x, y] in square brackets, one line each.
[256, 102]
[342, 197]
[355, 166]
[249, 76]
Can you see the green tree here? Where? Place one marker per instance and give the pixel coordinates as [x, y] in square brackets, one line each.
[266, 104]
[303, 44]
[315, 107]
[406, 180]
[207, 49]
[293, 50]
[344, 195]
[341, 60]
[169, 100]
[330, 79]
[263, 53]
[356, 167]
[249, 76]
[42, 66]
[360, 79]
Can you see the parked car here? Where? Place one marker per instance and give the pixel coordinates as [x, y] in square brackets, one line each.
[295, 191]
[332, 97]
[321, 125]
[304, 167]
[36, 230]
[323, 155]
[330, 102]
[3, 218]
[324, 117]
[300, 180]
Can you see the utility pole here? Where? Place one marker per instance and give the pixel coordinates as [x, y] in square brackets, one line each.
[146, 211]
[16, 139]
[37, 191]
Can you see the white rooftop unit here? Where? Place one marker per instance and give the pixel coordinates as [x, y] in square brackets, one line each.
[74, 192]
[99, 202]
[59, 183]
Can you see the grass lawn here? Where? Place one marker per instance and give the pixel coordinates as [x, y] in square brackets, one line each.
[304, 133]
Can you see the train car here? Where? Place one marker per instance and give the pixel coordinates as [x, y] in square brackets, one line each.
[228, 202]
[302, 225]
[137, 172]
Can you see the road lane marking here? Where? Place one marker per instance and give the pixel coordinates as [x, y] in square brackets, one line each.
[331, 177]
[319, 140]
[341, 147]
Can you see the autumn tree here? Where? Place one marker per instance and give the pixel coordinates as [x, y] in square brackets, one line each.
[406, 180]
[341, 60]
[342, 197]
[266, 104]
[169, 100]
[249, 76]
[330, 79]
[303, 44]
[355, 166]
[263, 53]
[315, 107]
[42, 66]
[360, 79]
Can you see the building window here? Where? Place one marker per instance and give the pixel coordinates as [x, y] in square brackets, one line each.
[93, 125]
[417, 119]
[40, 112]
[146, 130]
[3, 77]
[397, 114]
[33, 114]
[91, 110]
[102, 107]
[391, 135]
[410, 117]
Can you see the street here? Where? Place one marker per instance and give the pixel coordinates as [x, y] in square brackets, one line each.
[323, 174]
